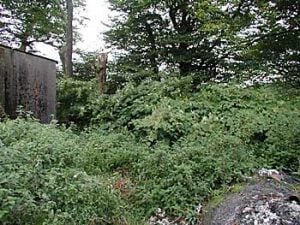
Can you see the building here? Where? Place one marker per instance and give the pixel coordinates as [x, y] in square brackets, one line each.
[28, 81]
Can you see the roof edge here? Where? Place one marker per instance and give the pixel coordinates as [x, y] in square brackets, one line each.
[28, 53]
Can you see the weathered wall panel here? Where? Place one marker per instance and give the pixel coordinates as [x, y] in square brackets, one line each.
[2, 80]
[7, 76]
[29, 81]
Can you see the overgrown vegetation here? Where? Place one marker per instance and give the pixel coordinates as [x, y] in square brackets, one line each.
[156, 145]
[180, 124]
[43, 182]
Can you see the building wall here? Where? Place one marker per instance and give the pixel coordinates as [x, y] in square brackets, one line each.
[29, 81]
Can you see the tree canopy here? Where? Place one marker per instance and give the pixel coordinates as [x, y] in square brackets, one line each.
[274, 40]
[25, 22]
[206, 37]
[168, 33]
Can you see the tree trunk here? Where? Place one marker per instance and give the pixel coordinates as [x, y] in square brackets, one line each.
[153, 50]
[24, 42]
[62, 55]
[69, 39]
[102, 61]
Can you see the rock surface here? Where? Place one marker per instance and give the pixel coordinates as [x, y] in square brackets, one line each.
[271, 198]
[267, 201]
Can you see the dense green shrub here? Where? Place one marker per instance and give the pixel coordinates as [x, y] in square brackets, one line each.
[42, 182]
[135, 102]
[73, 99]
[179, 147]
[80, 102]
[156, 145]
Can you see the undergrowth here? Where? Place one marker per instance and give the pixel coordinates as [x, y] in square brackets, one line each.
[156, 145]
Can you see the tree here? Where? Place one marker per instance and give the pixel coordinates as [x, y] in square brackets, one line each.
[69, 39]
[85, 66]
[274, 42]
[192, 36]
[102, 61]
[24, 23]
[70, 33]
[27, 22]
[208, 38]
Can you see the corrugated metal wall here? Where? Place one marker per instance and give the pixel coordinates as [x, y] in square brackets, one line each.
[29, 81]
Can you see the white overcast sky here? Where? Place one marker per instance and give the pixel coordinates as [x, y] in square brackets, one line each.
[97, 12]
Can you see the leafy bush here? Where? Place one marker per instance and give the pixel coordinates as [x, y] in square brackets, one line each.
[155, 145]
[135, 102]
[79, 102]
[42, 181]
[73, 98]
[178, 147]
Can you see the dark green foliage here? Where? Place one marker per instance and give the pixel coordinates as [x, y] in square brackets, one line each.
[180, 35]
[42, 181]
[200, 142]
[24, 23]
[272, 49]
[27, 22]
[85, 68]
[155, 145]
[73, 100]
[161, 141]
[211, 39]
[176, 147]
